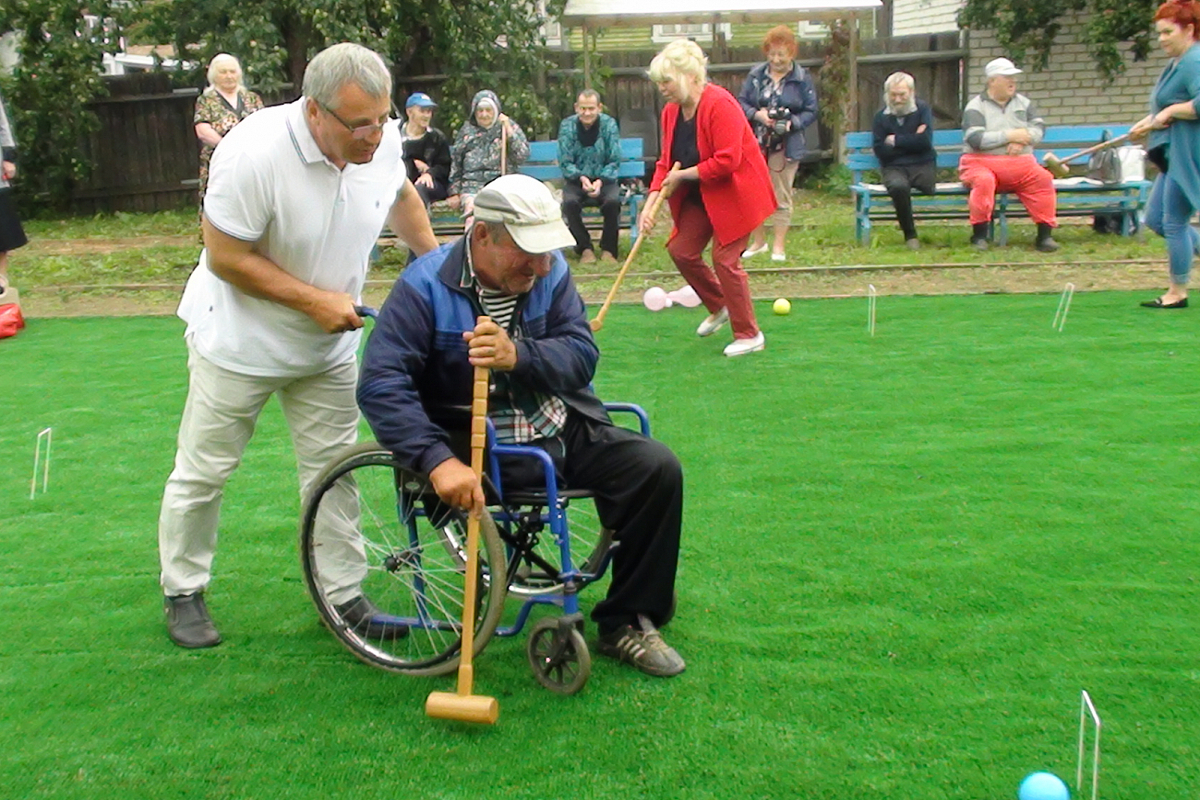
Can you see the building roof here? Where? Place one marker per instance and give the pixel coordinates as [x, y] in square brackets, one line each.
[627, 13]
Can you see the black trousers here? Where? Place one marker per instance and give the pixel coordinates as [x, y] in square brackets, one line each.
[638, 487]
[573, 201]
[900, 181]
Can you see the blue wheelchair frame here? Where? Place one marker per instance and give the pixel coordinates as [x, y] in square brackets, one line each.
[554, 515]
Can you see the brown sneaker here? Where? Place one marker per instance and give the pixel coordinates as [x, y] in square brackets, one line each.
[643, 647]
[587, 257]
[607, 257]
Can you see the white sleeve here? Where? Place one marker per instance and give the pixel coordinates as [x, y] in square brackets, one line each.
[239, 200]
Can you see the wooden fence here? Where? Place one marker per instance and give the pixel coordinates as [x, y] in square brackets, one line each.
[146, 156]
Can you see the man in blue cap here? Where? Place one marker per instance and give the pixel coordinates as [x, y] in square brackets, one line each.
[426, 149]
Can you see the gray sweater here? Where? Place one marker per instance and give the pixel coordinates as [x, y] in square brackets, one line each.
[986, 124]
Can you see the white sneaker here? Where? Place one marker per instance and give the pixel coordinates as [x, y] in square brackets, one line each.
[778, 256]
[742, 346]
[713, 322]
[751, 252]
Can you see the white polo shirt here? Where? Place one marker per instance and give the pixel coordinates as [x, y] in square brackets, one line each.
[270, 184]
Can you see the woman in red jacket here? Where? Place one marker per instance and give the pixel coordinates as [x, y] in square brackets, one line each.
[721, 190]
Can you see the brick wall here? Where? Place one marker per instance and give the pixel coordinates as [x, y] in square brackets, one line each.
[1071, 90]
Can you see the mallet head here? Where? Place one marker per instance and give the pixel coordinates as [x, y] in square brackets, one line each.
[596, 324]
[464, 708]
[1055, 166]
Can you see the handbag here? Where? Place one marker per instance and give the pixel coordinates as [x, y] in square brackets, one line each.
[1105, 166]
[11, 320]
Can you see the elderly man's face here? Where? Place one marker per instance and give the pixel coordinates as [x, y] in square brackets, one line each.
[899, 96]
[588, 109]
[500, 264]
[1002, 88]
[351, 131]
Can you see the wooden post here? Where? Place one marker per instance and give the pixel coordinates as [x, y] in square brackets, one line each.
[587, 58]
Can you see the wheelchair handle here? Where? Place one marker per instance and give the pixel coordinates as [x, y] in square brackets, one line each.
[366, 311]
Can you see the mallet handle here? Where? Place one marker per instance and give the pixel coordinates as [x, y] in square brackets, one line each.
[1094, 148]
[597, 323]
[479, 403]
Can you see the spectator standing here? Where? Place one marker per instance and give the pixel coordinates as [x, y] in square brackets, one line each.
[426, 149]
[298, 195]
[589, 155]
[220, 107]
[721, 192]
[12, 235]
[780, 101]
[1172, 134]
[903, 138]
[1000, 130]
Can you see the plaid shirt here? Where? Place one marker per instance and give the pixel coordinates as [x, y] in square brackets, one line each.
[519, 415]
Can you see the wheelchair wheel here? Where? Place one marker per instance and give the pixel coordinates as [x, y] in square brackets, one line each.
[558, 655]
[590, 543]
[372, 524]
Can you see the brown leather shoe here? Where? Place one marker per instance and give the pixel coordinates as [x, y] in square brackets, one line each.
[587, 257]
[607, 257]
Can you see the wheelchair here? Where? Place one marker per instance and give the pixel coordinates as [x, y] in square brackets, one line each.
[373, 527]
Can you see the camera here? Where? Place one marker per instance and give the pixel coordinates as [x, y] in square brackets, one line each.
[771, 137]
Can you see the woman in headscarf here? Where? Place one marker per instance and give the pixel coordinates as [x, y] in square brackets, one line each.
[475, 154]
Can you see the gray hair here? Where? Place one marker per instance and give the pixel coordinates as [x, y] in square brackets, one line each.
[338, 66]
[899, 79]
[592, 93]
[215, 64]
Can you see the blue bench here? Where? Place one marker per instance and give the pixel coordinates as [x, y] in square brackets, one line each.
[543, 165]
[1077, 196]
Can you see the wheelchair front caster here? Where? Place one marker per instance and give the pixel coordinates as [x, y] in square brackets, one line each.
[559, 655]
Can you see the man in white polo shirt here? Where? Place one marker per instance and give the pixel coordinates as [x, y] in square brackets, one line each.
[297, 196]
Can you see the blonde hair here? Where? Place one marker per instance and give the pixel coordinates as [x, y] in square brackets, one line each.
[680, 58]
[215, 64]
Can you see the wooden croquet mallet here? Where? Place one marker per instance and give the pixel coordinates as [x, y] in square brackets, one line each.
[462, 705]
[1058, 166]
[652, 212]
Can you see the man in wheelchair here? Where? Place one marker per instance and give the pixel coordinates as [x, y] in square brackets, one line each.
[418, 367]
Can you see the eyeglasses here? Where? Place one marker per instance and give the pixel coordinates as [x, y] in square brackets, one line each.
[359, 132]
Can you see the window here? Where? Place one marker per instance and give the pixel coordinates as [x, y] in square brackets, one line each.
[692, 30]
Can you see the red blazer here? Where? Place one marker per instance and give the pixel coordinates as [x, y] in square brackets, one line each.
[734, 182]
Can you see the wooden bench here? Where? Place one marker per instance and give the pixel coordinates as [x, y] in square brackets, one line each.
[1077, 196]
[543, 165]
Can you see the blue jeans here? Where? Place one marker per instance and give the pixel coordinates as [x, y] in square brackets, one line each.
[1168, 213]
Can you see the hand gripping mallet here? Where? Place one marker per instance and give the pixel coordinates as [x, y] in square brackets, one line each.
[1058, 166]
[462, 705]
[598, 323]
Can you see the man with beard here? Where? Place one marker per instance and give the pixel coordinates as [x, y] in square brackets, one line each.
[904, 145]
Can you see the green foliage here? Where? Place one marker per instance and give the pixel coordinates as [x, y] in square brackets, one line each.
[48, 92]
[492, 44]
[1027, 28]
[835, 79]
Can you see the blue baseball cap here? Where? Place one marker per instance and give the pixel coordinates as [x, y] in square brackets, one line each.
[420, 99]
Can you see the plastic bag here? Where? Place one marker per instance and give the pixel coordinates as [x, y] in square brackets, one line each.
[11, 320]
[1105, 166]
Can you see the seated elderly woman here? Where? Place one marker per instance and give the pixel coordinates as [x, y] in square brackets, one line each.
[220, 107]
[475, 154]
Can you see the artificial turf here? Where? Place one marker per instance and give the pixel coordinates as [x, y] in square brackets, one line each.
[904, 556]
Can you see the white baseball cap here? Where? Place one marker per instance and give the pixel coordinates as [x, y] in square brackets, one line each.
[1000, 66]
[528, 211]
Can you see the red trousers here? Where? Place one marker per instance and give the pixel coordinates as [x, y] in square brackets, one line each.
[726, 284]
[1022, 175]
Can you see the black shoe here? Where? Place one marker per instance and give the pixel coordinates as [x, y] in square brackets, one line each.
[979, 244]
[1158, 303]
[369, 622]
[188, 622]
[1045, 242]
[979, 235]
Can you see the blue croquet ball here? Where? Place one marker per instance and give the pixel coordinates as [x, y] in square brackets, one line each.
[1042, 786]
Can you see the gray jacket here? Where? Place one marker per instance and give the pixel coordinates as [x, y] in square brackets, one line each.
[986, 124]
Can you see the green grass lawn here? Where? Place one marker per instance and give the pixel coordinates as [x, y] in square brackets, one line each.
[904, 556]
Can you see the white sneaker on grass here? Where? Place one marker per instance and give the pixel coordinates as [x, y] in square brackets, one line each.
[740, 347]
[713, 322]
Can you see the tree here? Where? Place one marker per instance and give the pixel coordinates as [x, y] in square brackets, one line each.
[274, 40]
[1028, 28]
[57, 75]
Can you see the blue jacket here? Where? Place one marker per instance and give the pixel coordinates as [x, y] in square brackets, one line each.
[1180, 83]
[798, 95]
[415, 382]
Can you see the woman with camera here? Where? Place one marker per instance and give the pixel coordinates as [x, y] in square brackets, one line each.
[779, 100]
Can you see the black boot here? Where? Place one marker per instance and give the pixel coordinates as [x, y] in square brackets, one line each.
[979, 236]
[1045, 242]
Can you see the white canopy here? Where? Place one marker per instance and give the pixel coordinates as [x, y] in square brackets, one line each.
[627, 13]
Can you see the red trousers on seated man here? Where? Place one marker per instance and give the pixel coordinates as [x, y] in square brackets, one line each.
[1022, 175]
